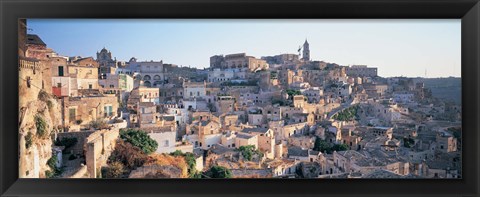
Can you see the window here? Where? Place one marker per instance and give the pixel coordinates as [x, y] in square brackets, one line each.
[166, 143]
[72, 114]
[60, 71]
[108, 111]
[59, 85]
[90, 86]
[112, 86]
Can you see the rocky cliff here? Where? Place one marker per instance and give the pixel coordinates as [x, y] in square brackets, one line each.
[39, 120]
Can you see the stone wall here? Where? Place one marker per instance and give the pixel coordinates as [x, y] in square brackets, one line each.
[98, 147]
[81, 137]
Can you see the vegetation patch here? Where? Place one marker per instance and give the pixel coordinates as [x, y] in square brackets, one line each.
[43, 96]
[170, 160]
[115, 169]
[190, 160]
[249, 151]
[139, 139]
[324, 146]
[98, 124]
[218, 172]
[49, 104]
[347, 114]
[28, 140]
[130, 156]
[54, 170]
[41, 126]
[292, 93]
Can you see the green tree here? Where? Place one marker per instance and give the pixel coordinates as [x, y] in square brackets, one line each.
[218, 172]
[339, 147]
[322, 145]
[139, 139]
[249, 151]
[292, 93]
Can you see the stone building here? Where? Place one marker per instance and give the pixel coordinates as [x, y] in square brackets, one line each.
[281, 59]
[85, 77]
[118, 84]
[239, 60]
[361, 71]
[83, 110]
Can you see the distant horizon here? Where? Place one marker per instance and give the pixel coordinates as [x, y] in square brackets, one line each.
[407, 48]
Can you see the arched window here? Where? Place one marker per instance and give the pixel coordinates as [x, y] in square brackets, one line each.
[147, 83]
[147, 77]
[157, 77]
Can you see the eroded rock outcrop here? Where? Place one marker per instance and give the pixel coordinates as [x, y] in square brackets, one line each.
[38, 120]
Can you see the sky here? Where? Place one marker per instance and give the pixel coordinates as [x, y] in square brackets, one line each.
[412, 48]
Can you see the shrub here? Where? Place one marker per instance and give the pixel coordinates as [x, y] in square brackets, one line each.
[114, 170]
[98, 124]
[43, 96]
[190, 160]
[249, 151]
[41, 126]
[54, 170]
[218, 172]
[28, 140]
[49, 174]
[67, 142]
[324, 146]
[131, 156]
[139, 139]
[340, 147]
[52, 162]
[292, 93]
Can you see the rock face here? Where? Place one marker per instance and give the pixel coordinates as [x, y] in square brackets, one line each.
[35, 144]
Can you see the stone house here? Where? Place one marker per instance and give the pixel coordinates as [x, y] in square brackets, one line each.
[266, 140]
[246, 139]
[165, 137]
[82, 110]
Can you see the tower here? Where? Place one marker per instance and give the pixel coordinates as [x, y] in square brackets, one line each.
[306, 51]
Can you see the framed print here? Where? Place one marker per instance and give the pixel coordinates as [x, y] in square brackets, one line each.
[240, 98]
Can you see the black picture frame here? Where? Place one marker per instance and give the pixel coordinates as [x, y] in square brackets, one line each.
[467, 10]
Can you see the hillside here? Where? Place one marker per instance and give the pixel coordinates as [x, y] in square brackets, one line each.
[445, 88]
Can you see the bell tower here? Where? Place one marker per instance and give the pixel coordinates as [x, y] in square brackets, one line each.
[306, 51]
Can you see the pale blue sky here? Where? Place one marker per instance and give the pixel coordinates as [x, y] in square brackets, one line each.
[396, 47]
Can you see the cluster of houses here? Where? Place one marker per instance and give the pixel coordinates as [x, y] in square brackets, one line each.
[304, 118]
